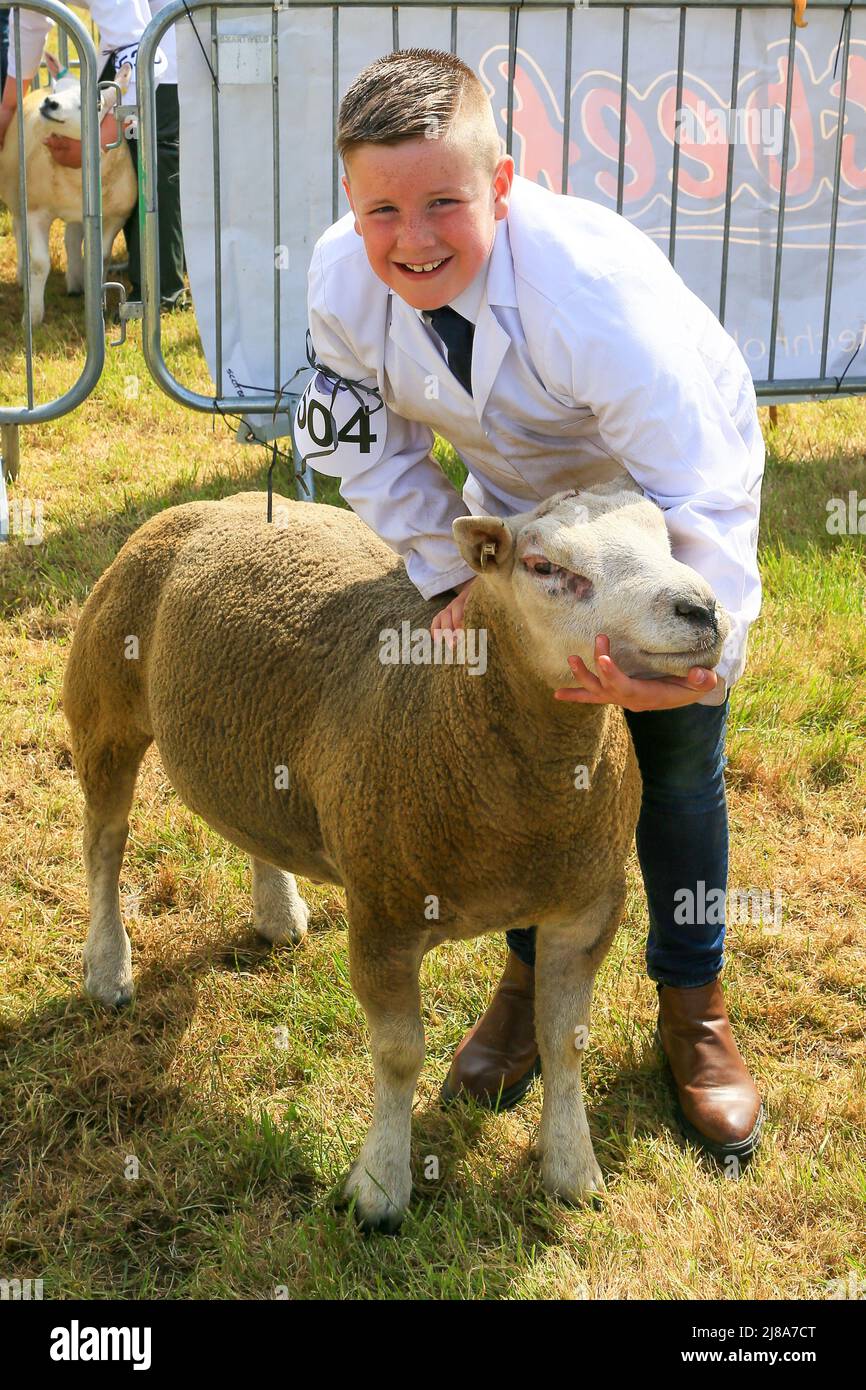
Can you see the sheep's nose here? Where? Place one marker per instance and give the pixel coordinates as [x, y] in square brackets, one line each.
[698, 611]
[49, 104]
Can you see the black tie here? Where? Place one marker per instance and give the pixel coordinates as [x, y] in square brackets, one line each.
[456, 333]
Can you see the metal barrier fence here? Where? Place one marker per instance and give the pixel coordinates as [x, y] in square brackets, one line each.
[280, 399]
[11, 417]
[64, 57]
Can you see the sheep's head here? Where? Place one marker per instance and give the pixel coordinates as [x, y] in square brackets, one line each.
[61, 108]
[597, 561]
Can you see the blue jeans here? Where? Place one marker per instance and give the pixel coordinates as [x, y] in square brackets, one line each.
[682, 842]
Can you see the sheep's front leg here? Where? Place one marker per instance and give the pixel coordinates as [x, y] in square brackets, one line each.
[564, 977]
[385, 979]
[38, 228]
[72, 239]
[19, 249]
[279, 912]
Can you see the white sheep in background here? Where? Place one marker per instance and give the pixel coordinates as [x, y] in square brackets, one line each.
[444, 799]
[54, 191]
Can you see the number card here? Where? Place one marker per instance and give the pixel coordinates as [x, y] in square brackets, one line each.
[337, 430]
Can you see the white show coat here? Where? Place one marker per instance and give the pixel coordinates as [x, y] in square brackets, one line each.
[589, 351]
[121, 24]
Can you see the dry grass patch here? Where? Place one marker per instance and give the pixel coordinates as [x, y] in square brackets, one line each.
[239, 1081]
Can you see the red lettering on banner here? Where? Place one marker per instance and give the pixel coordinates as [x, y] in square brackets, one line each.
[711, 152]
[853, 173]
[801, 146]
[639, 157]
[707, 129]
[541, 142]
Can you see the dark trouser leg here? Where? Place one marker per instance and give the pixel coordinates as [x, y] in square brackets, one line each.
[522, 943]
[682, 842]
[682, 839]
[4, 43]
[171, 263]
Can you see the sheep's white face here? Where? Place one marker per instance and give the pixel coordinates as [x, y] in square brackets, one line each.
[61, 108]
[599, 561]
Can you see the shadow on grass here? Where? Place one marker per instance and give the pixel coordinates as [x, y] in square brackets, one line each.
[87, 1095]
[796, 496]
[90, 1089]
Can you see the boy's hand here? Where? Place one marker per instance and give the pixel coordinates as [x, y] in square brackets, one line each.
[613, 687]
[451, 618]
[66, 151]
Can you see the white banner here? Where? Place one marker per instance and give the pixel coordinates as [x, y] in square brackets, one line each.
[251, 250]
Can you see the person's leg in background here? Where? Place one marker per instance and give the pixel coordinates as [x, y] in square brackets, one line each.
[171, 262]
[4, 44]
[682, 844]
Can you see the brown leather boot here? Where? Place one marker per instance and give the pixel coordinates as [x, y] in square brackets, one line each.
[719, 1104]
[498, 1059]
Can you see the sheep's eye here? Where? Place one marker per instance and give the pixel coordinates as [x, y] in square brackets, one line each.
[536, 565]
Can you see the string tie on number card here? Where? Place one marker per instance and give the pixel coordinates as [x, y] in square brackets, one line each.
[334, 431]
[332, 420]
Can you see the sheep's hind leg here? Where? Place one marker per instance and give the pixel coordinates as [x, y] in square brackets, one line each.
[110, 232]
[72, 237]
[385, 979]
[564, 978]
[279, 912]
[107, 771]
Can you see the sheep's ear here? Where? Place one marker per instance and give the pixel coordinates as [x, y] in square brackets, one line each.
[483, 541]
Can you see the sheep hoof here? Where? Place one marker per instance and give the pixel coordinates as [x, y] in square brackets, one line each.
[283, 933]
[116, 998]
[575, 1183]
[379, 1207]
[280, 914]
[287, 929]
[110, 987]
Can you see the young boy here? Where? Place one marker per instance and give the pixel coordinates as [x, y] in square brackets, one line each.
[551, 343]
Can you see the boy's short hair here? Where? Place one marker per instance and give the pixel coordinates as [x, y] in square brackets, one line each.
[418, 92]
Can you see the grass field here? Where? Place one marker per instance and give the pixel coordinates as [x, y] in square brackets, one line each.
[238, 1141]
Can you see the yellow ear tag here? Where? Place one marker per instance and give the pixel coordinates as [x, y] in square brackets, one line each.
[488, 548]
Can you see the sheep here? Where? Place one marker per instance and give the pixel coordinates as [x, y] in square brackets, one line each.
[54, 191]
[447, 802]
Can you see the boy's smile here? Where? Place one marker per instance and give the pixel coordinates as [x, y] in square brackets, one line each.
[426, 211]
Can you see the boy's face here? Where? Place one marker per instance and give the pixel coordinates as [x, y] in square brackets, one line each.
[426, 201]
